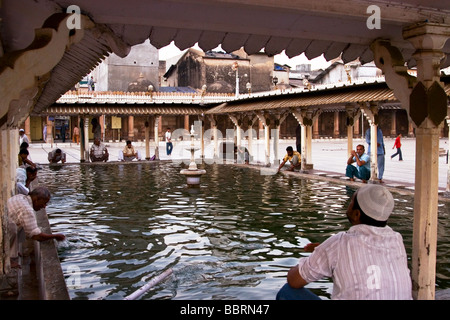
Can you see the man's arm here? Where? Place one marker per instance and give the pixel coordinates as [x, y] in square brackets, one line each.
[281, 165]
[45, 236]
[295, 279]
[352, 155]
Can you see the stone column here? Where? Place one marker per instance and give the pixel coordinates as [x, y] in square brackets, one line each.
[336, 124]
[101, 121]
[352, 122]
[86, 139]
[304, 147]
[448, 160]
[276, 142]
[186, 122]
[28, 128]
[410, 129]
[147, 140]
[157, 119]
[356, 127]
[266, 123]
[371, 112]
[267, 143]
[428, 109]
[316, 129]
[50, 132]
[238, 135]
[131, 128]
[394, 123]
[215, 136]
[373, 153]
[9, 148]
[250, 138]
[82, 146]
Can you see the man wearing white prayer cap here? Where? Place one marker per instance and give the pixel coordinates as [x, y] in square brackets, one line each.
[366, 262]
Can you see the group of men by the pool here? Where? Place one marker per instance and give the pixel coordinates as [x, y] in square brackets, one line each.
[368, 261]
[99, 153]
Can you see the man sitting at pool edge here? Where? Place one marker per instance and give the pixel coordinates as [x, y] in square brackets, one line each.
[294, 157]
[98, 152]
[129, 153]
[366, 262]
[362, 169]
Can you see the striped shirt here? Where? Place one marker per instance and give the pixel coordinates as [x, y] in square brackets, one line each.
[365, 263]
[21, 212]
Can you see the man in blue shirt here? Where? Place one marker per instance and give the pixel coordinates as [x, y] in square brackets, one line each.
[362, 169]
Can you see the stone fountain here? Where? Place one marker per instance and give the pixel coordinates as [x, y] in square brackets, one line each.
[193, 174]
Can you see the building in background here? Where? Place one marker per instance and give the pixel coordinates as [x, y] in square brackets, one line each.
[135, 72]
[221, 72]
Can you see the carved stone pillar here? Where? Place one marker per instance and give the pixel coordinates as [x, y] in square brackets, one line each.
[156, 132]
[131, 128]
[147, 139]
[352, 118]
[394, 123]
[426, 103]
[336, 132]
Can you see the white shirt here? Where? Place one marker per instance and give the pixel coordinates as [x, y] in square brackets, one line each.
[366, 263]
[23, 138]
[168, 136]
[98, 150]
[21, 181]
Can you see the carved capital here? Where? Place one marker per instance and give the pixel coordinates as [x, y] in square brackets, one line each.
[390, 60]
[24, 73]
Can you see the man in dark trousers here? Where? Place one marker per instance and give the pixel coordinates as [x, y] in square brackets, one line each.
[298, 138]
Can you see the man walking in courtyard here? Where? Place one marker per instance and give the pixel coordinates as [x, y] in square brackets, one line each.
[398, 145]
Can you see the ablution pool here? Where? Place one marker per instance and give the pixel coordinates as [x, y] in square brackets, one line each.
[235, 237]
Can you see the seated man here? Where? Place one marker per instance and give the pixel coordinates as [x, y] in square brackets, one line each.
[366, 262]
[56, 156]
[294, 157]
[24, 160]
[362, 169]
[98, 152]
[24, 177]
[129, 153]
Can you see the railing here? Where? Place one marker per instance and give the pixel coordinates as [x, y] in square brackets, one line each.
[112, 97]
[103, 97]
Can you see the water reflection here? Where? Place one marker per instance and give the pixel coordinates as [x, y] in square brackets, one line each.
[233, 238]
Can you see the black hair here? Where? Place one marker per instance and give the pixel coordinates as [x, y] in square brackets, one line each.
[58, 150]
[289, 148]
[24, 145]
[40, 193]
[128, 142]
[364, 218]
[31, 170]
[24, 151]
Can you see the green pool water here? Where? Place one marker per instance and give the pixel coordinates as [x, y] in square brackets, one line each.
[235, 237]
